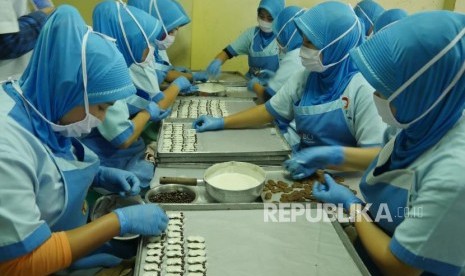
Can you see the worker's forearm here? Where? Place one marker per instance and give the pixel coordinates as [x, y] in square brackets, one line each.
[376, 243]
[253, 117]
[260, 91]
[170, 95]
[89, 237]
[357, 158]
[222, 56]
[139, 121]
[173, 74]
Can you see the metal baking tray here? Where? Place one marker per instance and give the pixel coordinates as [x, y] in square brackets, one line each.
[246, 145]
[231, 78]
[240, 242]
[276, 173]
[193, 107]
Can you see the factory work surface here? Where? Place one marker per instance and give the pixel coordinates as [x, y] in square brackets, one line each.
[248, 242]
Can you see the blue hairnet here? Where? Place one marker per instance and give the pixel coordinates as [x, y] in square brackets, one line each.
[284, 20]
[274, 7]
[53, 80]
[388, 17]
[395, 54]
[321, 25]
[171, 12]
[106, 21]
[368, 11]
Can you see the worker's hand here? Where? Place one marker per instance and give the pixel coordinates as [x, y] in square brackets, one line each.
[305, 162]
[191, 90]
[96, 260]
[148, 219]
[42, 4]
[161, 75]
[200, 76]
[156, 113]
[252, 83]
[214, 68]
[182, 83]
[206, 123]
[331, 192]
[118, 181]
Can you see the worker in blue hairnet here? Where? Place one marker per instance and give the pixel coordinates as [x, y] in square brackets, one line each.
[414, 188]
[172, 16]
[330, 101]
[117, 140]
[74, 75]
[289, 41]
[388, 17]
[258, 43]
[368, 11]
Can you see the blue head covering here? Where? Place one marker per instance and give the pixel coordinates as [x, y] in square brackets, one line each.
[284, 28]
[388, 17]
[274, 7]
[53, 80]
[106, 20]
[322, 25]
[170, 12]
[395, 54]
[368, 11]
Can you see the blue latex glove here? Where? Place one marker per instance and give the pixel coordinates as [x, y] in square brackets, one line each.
[214, 68]
[182, 83]
[96, 260]
[331, 192]
[161, 75]
[156, 113]
[206, 123]
[148, 219]
[200, 76]
[117, 181]
[191, 90]
[251, 84]
[42, 4]
[305, 162]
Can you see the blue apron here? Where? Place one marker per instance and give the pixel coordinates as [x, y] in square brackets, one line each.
[78, 176]
[260, 66]
[395, 189]
[323, 125]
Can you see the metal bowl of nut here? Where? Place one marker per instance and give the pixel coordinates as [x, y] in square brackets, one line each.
[171, 193]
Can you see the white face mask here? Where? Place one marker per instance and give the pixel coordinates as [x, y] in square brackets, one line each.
[311, 57]
[265, 26]
[165, 43]
[384, 107]
[143, 74]
[84, 126]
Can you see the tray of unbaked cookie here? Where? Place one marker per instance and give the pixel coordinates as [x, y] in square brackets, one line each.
[193, 107]
[246, 242]
[179, 142]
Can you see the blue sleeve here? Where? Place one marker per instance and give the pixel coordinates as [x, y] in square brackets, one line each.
[117, 127]
[364, 121]
[14, 45]
[242, 44]
[22, 227]
[431, 236]
[281, 105]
